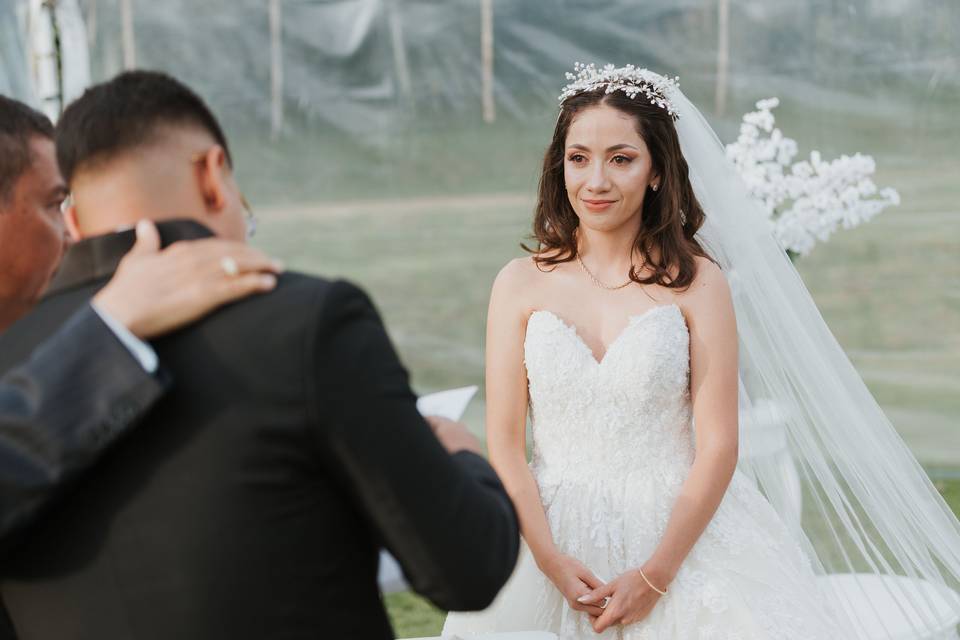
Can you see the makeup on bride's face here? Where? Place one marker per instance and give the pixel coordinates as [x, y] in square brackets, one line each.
[606, 167]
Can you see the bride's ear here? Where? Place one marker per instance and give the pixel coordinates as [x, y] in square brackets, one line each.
[213, 172]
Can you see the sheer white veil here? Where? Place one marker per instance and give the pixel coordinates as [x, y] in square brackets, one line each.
[812, 436]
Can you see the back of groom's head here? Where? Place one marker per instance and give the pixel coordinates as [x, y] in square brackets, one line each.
[127, 112]
[145, 145]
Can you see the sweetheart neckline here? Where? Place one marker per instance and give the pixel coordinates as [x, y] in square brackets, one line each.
[631, 320]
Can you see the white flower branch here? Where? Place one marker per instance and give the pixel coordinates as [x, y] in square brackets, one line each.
[807, 201]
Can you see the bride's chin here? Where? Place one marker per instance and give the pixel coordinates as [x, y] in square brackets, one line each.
[603, 222]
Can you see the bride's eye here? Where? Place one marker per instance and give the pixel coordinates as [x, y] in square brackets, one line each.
[622, 160]
[577, 158]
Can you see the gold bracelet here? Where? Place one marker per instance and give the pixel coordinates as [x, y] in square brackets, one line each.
[647, 580]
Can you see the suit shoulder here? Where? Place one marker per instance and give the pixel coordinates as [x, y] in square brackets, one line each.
[299, 289]
[317, 298]
[295, 283]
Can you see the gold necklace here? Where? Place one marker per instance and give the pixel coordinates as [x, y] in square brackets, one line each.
[597, 282]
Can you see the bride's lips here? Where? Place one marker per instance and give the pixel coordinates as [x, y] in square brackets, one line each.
[597, 205]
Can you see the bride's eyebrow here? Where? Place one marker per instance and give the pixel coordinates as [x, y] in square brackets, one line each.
[616, 147]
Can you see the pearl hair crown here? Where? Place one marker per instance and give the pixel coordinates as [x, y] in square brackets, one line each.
[629, 79]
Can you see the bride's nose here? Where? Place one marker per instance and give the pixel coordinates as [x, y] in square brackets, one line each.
[597, 180]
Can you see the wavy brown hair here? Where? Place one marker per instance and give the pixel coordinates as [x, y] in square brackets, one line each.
[555, 222]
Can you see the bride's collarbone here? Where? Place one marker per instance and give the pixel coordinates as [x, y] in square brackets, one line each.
[594, 315]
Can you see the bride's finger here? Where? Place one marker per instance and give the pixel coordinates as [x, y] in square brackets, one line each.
[590, 579]
[610, 617]
[591, 609]
[597, 595]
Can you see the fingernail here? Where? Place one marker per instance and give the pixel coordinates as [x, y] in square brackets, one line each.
[269, 281]
[142, 226]
[583, 599]
[278, 265]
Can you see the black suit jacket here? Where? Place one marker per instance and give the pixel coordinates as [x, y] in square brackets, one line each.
[60, 409]
[254, 499]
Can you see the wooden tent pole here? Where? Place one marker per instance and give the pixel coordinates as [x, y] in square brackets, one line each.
[129, 42]
[723, 56]
[399, 49]
[486, 57]
[276, 68]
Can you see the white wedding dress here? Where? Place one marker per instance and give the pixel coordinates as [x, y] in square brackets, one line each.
[612, 445]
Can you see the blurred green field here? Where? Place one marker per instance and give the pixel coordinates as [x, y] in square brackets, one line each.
[889, 290]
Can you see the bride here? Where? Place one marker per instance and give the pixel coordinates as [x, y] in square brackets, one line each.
[655, 311]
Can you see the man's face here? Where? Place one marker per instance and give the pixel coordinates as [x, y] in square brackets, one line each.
[32, 234]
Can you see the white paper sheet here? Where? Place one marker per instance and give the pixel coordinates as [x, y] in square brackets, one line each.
[447, 404]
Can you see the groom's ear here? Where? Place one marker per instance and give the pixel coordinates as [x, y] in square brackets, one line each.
[72, 224]
[213, 174]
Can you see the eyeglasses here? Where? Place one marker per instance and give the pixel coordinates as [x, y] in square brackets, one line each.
[251, 219]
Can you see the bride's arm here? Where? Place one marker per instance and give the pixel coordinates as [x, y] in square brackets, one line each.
[506, 414]
[713, 392]
[713, 388]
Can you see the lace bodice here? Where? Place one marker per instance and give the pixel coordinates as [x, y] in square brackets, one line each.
[607, 415]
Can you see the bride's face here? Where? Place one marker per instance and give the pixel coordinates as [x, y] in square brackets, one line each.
[607, 168]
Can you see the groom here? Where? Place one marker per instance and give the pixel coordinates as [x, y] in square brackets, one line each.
[289, 451]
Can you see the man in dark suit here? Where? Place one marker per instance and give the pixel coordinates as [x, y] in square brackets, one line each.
[87, 384]
[253, 501]
[61, 409]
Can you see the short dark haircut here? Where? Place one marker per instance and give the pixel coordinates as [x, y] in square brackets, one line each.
[126, 112]
[18, 124]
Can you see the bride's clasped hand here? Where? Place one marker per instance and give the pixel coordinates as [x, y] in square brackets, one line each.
[628, 598]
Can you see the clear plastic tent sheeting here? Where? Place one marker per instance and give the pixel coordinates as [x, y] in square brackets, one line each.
[43, 52]
[368, 78]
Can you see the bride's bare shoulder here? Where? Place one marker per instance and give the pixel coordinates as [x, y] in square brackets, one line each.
[707, 271]
[520, 272]
[709, 288]
[517, 284]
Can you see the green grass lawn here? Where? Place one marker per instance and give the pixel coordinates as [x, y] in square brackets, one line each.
[951, 492]
[413, 617]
